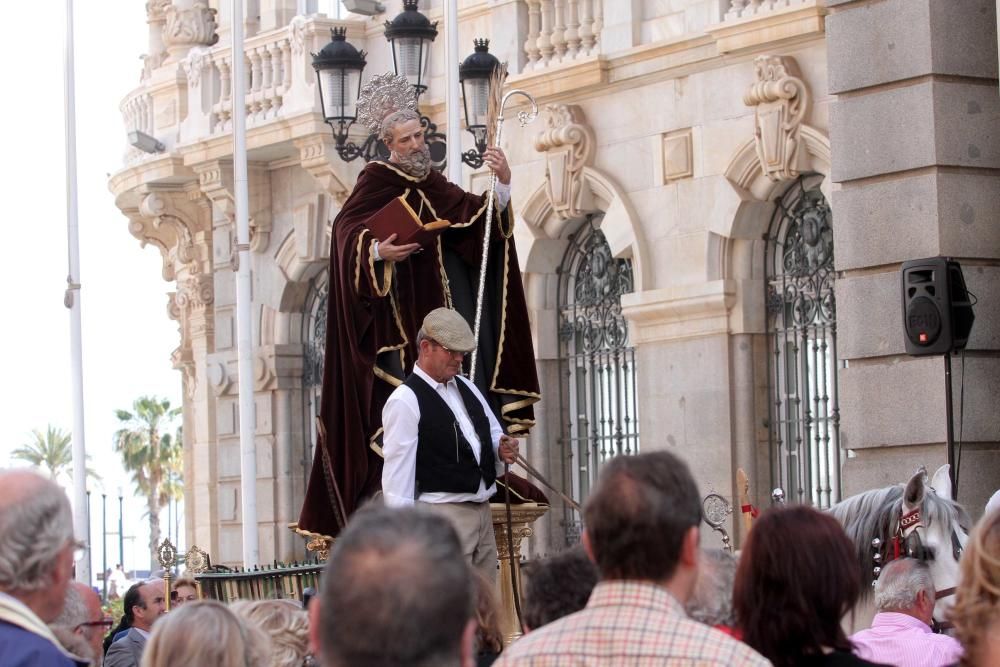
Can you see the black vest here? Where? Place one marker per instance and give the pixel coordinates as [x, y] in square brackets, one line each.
[445, 461]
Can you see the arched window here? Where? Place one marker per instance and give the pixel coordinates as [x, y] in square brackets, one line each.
[597, 364]
[804, 422]
[313, 354]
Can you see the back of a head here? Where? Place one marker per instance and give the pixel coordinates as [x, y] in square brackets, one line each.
[796, 578]
[205, 632]
[711, 602]
[396, 591]
[638, 514]
[36, 524]
[899, 584]
[74, 611]
[557, 586]
[284, 622]
[976, 613]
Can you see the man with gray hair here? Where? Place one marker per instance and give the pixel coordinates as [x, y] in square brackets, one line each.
[900, 633]
[711, 602]
[395, 592]
[81, 626]
[36, 565]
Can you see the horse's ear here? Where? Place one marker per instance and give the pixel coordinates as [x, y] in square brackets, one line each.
[941, 482]
[914, 493]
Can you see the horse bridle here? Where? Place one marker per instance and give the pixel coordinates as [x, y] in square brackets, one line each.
[907, 542]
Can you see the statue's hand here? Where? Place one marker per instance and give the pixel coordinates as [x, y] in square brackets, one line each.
[390, 252]
[497, 161]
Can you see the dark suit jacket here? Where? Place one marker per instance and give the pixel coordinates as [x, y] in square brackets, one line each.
[126, 652]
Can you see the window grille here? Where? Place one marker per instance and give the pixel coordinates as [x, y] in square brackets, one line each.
[597, 364]
[804, 423]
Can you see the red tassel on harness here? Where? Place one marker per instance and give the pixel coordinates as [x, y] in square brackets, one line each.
[896, 547]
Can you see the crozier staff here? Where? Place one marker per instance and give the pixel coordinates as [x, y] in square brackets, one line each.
[443, 446]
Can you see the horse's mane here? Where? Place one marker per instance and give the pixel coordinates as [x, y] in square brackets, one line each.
[864, 517]
[876, 513]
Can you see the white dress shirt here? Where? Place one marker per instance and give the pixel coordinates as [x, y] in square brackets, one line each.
[400, 417]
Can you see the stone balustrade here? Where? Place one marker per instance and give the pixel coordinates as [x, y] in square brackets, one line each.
[137, 114]
[561, 31]
[739, 9]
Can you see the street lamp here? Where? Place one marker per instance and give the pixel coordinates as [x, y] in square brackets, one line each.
[339, 66]
[410, 35]
[476, 74]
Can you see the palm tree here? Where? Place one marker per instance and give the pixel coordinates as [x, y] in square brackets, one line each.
[52, 451]
[152, 456]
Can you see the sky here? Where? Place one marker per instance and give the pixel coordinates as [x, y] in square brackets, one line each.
[127, 336]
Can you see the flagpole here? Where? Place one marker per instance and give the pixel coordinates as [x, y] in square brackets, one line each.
[72, 301]
[244, 325]
[451, 58]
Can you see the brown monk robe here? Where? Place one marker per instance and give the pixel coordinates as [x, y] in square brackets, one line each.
[374, 311]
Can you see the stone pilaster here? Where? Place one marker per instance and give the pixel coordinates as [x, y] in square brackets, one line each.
[917, 155]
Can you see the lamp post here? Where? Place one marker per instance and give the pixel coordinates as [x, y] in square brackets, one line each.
[121, 533]
[104, 543]
[339, 66]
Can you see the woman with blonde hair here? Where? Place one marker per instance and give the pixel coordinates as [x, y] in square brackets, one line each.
[976, 613]
[206, 632]
[285, 622]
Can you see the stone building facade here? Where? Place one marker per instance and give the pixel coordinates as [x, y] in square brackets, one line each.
[712, 209]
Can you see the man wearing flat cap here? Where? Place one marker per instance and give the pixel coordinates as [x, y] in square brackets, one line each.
[442, 444]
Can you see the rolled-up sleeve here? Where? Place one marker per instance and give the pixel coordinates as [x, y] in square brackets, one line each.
[399, 447]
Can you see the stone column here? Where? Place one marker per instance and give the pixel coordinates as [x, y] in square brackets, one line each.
[188, 23]
[916, 154]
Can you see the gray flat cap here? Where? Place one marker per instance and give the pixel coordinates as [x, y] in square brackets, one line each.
[449, 328]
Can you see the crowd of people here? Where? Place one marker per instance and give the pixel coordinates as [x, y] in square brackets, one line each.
[397, 590]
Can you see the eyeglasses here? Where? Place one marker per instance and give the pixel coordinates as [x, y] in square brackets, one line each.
[79, 550]
[174, 597]
[449, 350]
[105, 623]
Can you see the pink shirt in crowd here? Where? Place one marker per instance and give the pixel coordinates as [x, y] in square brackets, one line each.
[901, 639]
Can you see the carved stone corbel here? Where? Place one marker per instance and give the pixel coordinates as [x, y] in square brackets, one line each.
[780, 100]
[188, 23]
[174, 223]
[568, 144]
[216, 182]
[317, 155]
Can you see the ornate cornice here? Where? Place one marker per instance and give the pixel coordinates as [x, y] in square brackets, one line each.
[173, 221]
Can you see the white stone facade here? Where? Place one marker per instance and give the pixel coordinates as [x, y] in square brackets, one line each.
[679, 121]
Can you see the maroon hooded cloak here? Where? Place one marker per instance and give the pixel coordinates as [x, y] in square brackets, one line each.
[374, 310]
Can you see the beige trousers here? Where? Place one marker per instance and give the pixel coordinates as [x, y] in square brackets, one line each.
[474, 524]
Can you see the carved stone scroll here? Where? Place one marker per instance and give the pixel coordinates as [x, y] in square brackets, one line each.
[568, 144]
[780, 100]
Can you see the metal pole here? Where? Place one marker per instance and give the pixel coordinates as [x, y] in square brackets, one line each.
[950, 432]
[72, 301]
[244, 326]
[451, 58]
[121, 532]
[90, 551]
[104, 543]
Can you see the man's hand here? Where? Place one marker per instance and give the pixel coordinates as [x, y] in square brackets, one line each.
[508, 449]
[497, 161]
[394, 253]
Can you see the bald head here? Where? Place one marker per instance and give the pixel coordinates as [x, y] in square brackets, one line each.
[36, 541]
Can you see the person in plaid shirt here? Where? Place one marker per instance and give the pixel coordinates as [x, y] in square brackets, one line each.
[641, 528]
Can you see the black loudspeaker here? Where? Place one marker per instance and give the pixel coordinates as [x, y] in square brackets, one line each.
[937, 313]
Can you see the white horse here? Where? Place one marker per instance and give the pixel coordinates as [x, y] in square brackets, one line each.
[918, 520]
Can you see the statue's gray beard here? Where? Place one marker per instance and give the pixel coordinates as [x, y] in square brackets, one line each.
[416, 164]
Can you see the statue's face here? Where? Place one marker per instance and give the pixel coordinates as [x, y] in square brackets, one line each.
[407, 138]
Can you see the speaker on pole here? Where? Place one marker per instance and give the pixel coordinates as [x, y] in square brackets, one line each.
[937, 312]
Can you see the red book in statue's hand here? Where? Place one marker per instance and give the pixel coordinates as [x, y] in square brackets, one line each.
[398, 217]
